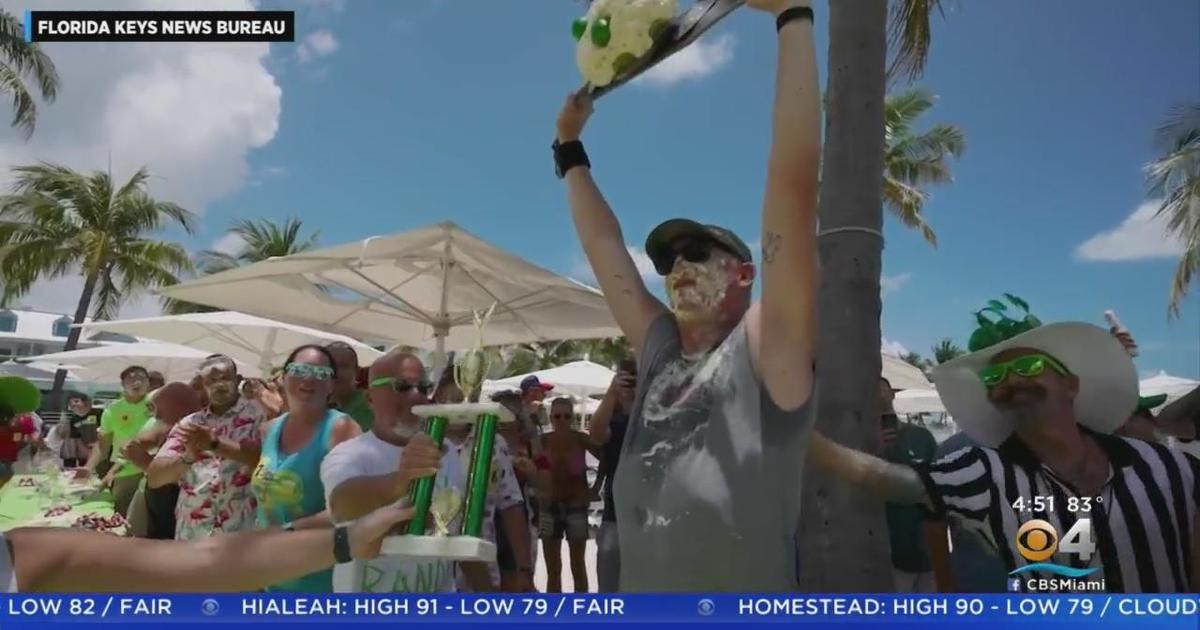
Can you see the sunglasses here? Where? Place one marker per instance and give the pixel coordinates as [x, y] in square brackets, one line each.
[402, 386]
[693, 250]
[304, 370]
[1028, 366]
[561, 416]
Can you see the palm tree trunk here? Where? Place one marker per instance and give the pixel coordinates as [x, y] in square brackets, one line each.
[85, 300]
[843, 536]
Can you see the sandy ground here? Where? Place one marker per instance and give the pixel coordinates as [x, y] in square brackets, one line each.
[568, 582]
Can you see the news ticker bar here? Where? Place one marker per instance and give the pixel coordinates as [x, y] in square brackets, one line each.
[160, 26]
[678, 609]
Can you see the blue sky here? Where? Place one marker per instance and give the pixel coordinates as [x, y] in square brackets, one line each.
[394, 115]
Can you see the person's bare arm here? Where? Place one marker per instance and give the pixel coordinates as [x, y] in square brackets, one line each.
[1180, 418]
[165, 470]
[892, 482]
[937, 542]
[68, 560]
[782, 326]
[478, 577]
[600, 234]
[244, 452]
[100, 450]
[516, 530]
[602, 419]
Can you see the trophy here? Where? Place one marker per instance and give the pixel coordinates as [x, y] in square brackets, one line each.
[618, 40]
[447, 506]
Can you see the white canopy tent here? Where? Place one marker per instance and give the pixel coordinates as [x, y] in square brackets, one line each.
[251, 340]
[578, 379]
[105, 363]
[1162, 383]
[419, 288]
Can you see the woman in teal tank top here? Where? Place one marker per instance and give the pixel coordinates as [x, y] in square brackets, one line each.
[287, 480]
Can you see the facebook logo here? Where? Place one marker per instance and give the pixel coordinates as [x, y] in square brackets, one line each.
[1014, 585]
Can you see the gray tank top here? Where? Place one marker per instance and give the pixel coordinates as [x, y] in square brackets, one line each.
[709, 481]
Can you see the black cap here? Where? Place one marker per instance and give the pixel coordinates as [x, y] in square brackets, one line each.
[658, 244]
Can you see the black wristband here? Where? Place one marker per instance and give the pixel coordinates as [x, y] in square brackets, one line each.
[341, 545]
[794, 13]
[568, 155]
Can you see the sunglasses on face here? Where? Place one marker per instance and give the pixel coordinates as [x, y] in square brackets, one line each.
[1027, 366]
[402, 386]
[304, 370]
[561, 416]
[693, 250]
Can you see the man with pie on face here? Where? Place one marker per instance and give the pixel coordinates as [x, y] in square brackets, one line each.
[706, 489]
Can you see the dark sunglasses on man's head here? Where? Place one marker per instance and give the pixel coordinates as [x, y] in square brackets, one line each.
[402, 386]
[693, 250]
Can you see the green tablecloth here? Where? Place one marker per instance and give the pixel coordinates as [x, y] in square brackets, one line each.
[26, 506]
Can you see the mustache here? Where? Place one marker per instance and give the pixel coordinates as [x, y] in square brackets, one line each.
[1006, 393]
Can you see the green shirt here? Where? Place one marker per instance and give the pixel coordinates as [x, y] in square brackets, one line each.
[122, 421]
[914, 445]
[359, 409]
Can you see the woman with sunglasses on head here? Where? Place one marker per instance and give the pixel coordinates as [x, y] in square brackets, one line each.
[564, 513]
[287, 480]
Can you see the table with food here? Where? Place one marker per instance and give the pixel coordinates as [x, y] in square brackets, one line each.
[58, 499]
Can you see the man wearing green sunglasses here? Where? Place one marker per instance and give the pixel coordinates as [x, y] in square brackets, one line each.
[1042, 404]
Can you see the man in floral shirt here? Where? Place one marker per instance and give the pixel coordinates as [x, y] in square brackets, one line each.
[211, 455]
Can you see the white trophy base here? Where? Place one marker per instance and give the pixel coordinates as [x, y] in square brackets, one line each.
[464, 413]
[457, 548]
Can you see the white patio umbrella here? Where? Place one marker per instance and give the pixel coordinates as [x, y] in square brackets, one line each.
[418, 288]
[1174, 387]
[105, 363]
[912, 401]
[903, 375]
[580, 379]
[256, 341]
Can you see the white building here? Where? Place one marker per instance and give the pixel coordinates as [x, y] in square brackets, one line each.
[26, 333]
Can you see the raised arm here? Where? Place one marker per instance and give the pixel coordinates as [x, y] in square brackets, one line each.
[892, 482]
[353, 493]
[783, 325]
[600, 235]
[67, 560]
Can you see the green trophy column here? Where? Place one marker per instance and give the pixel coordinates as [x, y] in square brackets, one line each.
[481, 474]
[422, 492]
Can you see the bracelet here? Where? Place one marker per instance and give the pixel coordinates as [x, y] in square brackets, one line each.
[794, 13]
[568, 155]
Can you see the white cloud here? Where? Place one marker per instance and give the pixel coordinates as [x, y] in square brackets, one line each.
[190, 113]
[695, 62]
[275, 171]
[318, 44]
[1139, 237]
[331, 6]
[894, 283]
[893, 348]
[228, 244]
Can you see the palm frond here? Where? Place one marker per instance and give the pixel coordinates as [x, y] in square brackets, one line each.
[909, 37]
[901, 110]
[905, 202]
[1185, 270]
[1180, 129]
[27, 58]
[24, 107]
[210, 261]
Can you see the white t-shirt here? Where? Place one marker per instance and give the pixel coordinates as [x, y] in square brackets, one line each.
[369, 456]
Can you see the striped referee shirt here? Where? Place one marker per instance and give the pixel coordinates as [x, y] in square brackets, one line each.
[1142, 523]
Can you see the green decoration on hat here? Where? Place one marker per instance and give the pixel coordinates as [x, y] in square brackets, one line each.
[1146, 403]
[578, 27]
[992, 332]
[18, 395]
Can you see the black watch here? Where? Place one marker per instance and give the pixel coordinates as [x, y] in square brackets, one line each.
[568, 155]
[341, 545]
